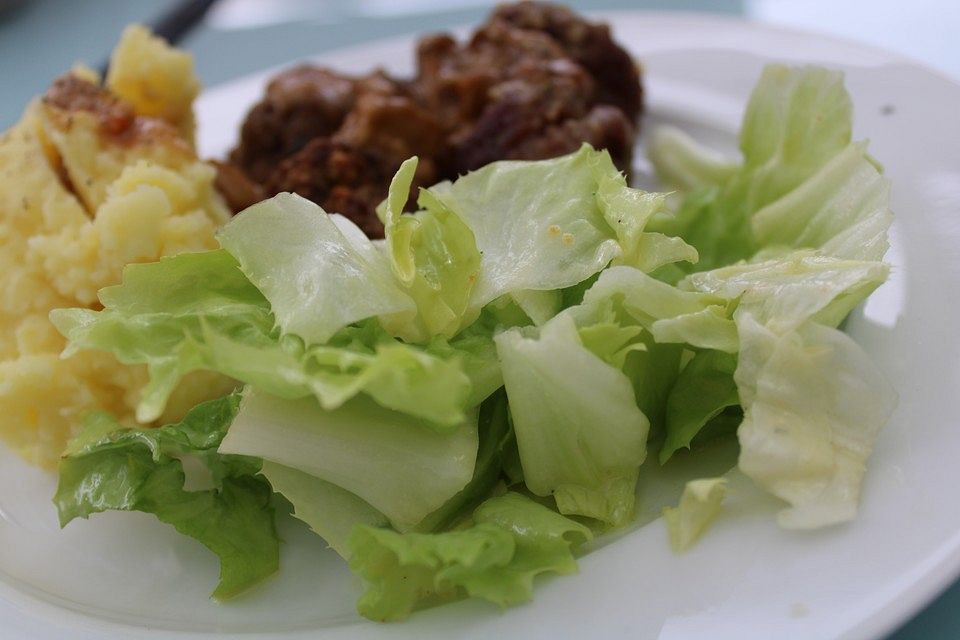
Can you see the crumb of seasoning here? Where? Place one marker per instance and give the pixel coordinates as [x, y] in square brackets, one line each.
[553, 230]
[888, 110]
[567, 239]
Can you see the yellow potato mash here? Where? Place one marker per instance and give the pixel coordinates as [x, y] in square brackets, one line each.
[93, 178]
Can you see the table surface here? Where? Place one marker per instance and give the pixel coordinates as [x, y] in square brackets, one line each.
[240, 36]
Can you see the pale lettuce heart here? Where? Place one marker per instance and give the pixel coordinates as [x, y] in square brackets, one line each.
[682, 163]
[813, 405]
[790, 289]
[400, 467]
[329, 511]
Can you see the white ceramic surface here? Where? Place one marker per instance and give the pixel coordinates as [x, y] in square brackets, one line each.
[126, 576]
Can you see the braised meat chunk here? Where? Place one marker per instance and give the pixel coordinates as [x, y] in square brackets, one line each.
[616, 75]
[535, 81]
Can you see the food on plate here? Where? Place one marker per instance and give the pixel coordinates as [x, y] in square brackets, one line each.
[535, 81]
[92, 178]
[465, 404]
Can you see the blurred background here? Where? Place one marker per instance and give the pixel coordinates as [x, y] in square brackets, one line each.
[39, 39]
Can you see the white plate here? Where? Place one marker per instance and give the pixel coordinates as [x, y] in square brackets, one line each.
[126, 576]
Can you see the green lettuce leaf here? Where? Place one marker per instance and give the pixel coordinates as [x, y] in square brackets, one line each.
[549, 224]
[797, 120]
[319, 272]
[670, 314]
[699, 506]
[628, 211]
[400, 467]
[580, 434]
[109, 467]
[495, 446]
[512, 541]
[198, 311]
[704, 388]
[843, 210]
[434, 257]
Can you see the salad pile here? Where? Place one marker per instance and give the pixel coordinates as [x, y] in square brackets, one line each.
[457, 409]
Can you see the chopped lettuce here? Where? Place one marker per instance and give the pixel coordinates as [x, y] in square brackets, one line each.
[797, 121]
[198, 311]
[496, 447]
[790, 289]
[670, 314]
[512, 541]
[682, 163]
[317, 277]
[813, 405]
[391, 460]
[628, 211]
[579, 431]
[843, 210]
[534, 326]
[434, 257]
[699, 506]
[551, 224]
[108, 467]
[702, 391]
[537, 224]
[329, 511]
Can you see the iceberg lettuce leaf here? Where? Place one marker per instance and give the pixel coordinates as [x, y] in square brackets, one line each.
[435, 258]
[797, 120]
[580, 434]
[399, 466]
[317, 277]
[537, 224]
[813, 405]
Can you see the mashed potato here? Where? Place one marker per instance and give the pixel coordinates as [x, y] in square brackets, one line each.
[92, 179]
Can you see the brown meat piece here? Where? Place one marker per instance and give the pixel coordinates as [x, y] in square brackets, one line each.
[616, 74]
[300, 104]
[516, 91]
[455, 82]
[340, 178]
[535, 81]
[511, 131]
[396, 128]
